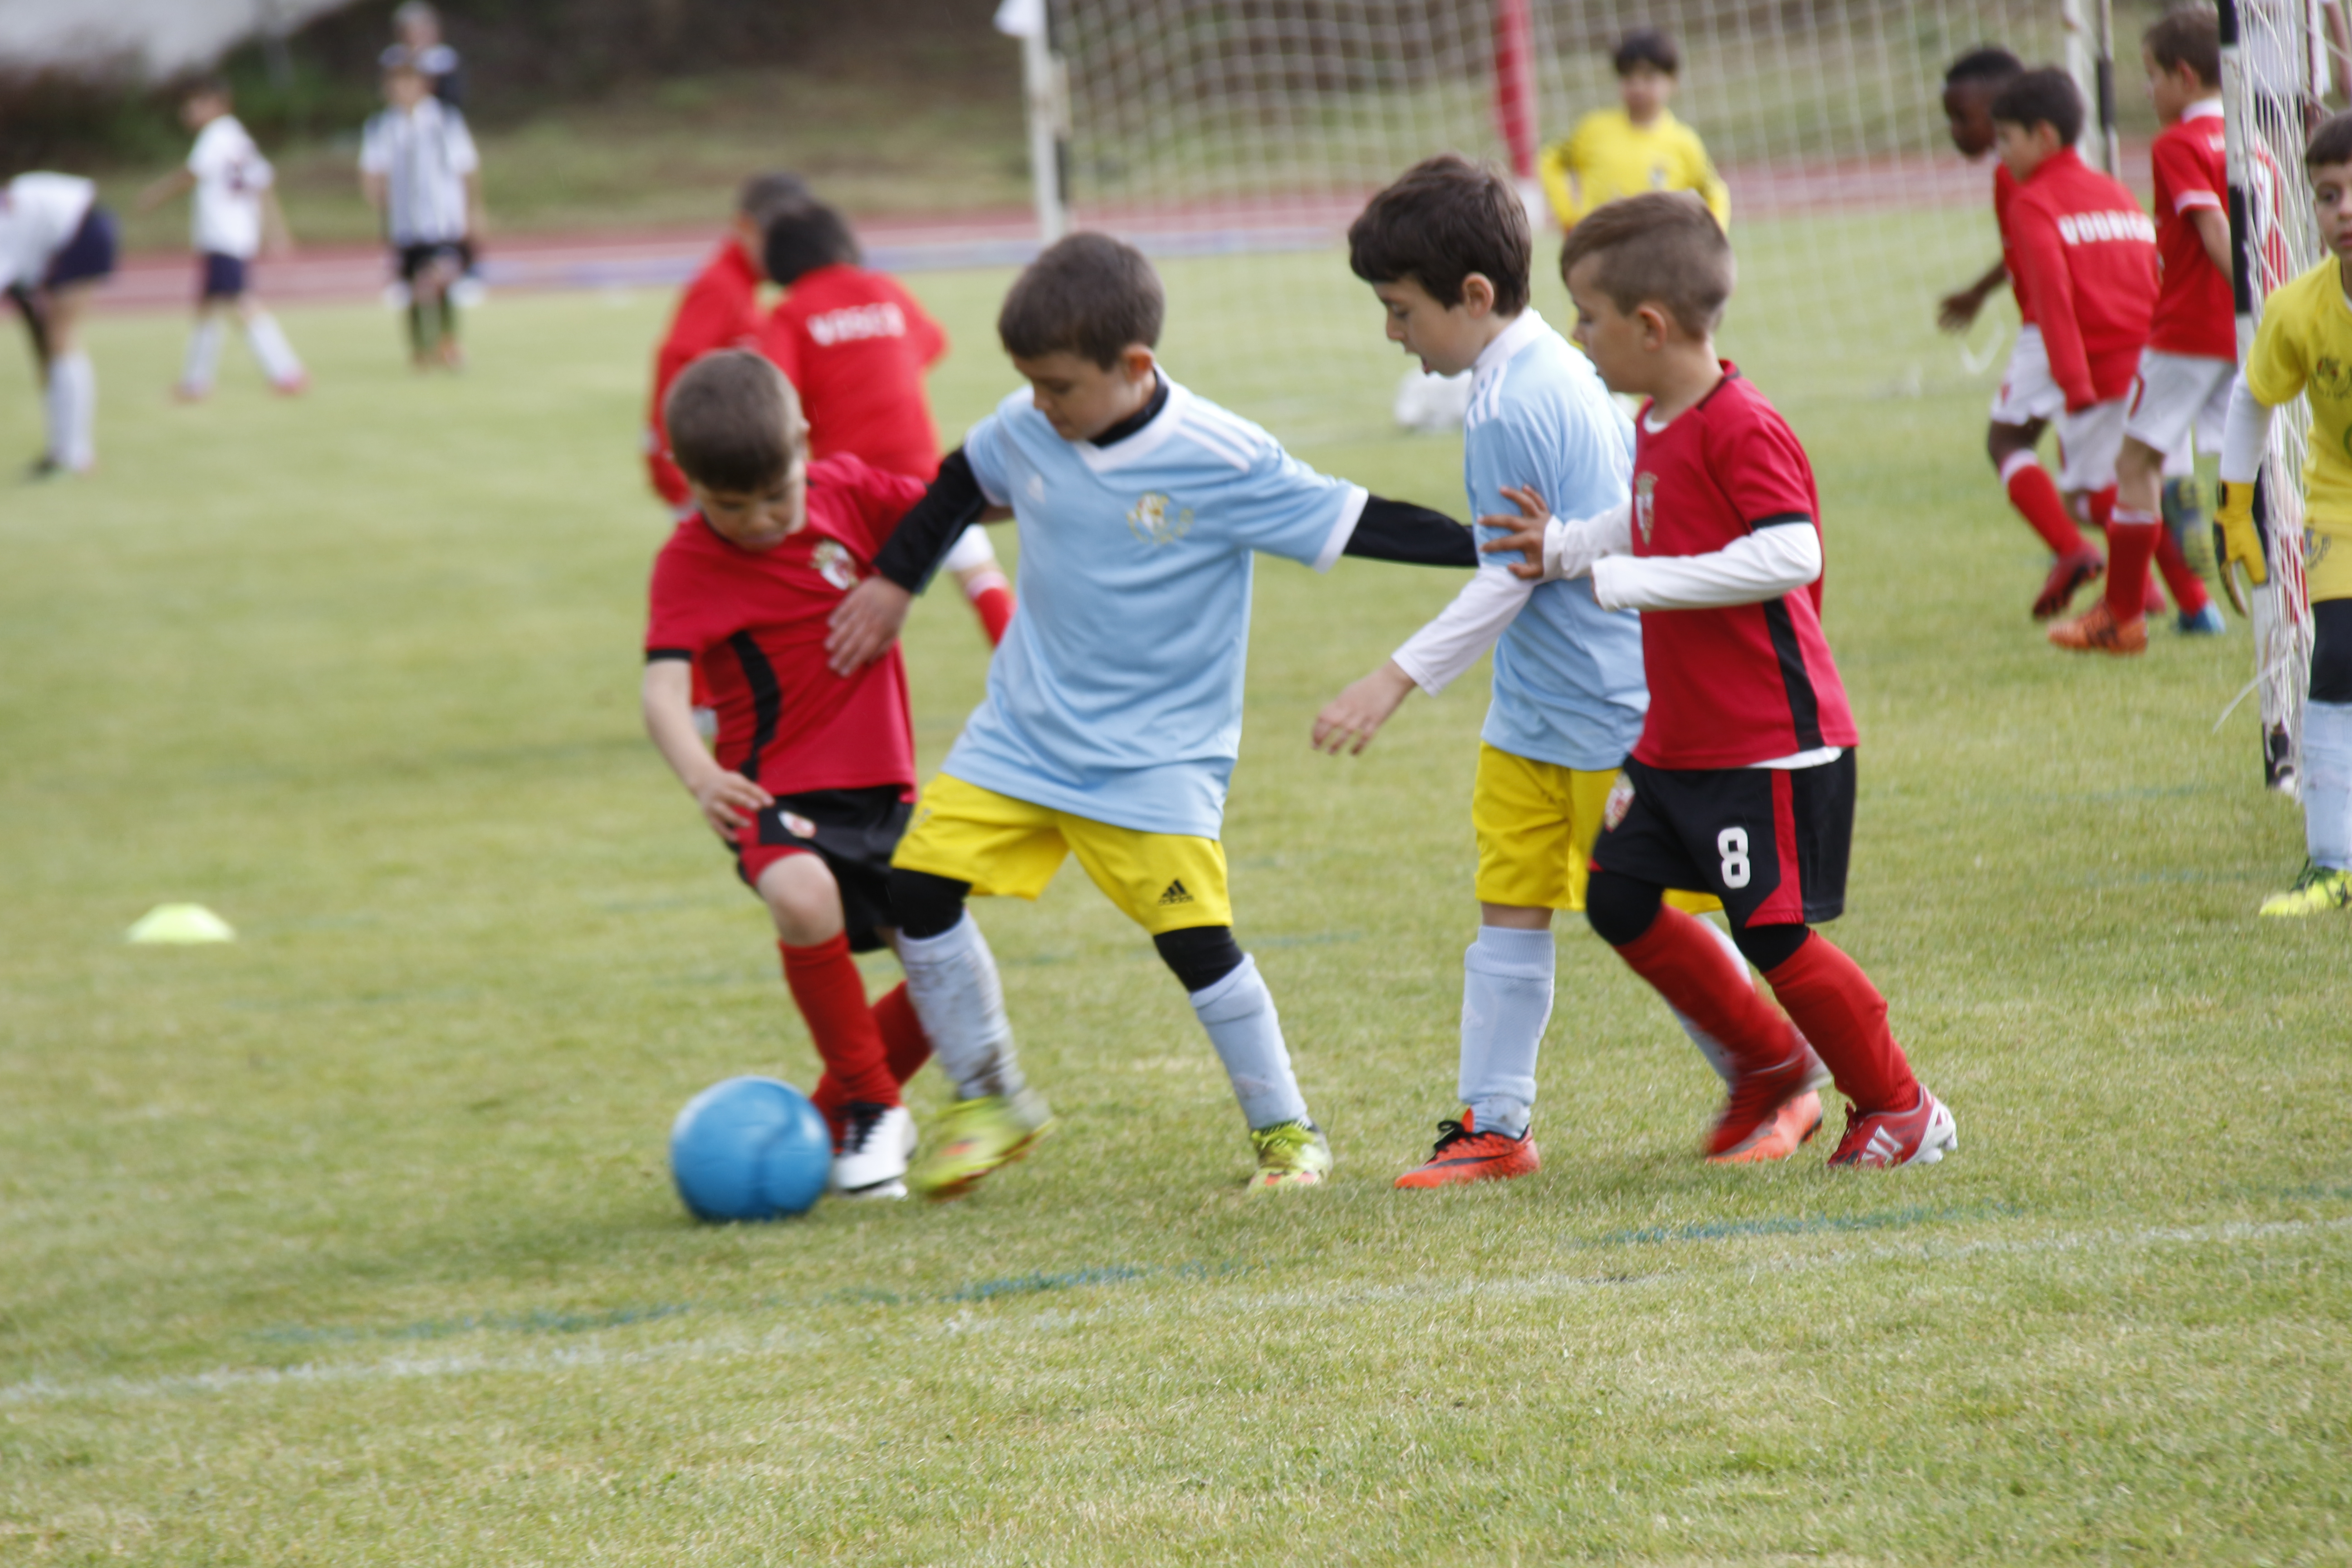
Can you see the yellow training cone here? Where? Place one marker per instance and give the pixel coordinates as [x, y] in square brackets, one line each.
[181, 923]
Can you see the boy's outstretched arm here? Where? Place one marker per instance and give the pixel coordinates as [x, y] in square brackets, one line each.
[727, 797]
[1957, 312]
[1781, 554]
[157, 192]
[864, 623]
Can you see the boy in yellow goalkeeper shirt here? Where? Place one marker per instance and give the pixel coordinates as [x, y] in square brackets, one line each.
[2303, 348]
[1640, 147]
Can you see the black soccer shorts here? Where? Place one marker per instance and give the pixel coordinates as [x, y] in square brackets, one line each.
[853, 831]
[1771, 843]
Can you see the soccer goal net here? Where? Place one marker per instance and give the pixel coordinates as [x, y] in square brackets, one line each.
[2273, 61]
[1237, 138]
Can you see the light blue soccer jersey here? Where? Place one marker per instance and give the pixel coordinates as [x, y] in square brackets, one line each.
[1569, 687]
[1117, 693]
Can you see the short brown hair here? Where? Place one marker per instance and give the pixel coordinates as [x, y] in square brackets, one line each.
[1444, 220]
[734, 422]
[1661, 247]
[2188, 35]
[1086, 294]
[2331, 143]
[2045, 97]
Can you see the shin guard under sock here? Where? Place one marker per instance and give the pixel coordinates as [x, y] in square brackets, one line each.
[2131, 543]
[2036, 498]
[1841, 1012]
[831, 994]
[951, 980]
[1238, 1013]
[2326, 785]
[1680, 958]
[904, 1044]
[1506, 985]
[2188, 595]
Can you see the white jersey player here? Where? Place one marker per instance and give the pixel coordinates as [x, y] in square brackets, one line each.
[233, 214]
[419, 170]
[57, 244]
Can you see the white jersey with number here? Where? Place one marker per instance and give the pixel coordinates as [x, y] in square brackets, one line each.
[424, 155]
[231, 174]
[38, 217]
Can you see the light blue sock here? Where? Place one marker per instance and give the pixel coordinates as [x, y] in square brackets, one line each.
[1238, 1013]
[1506, 978]
[2326, 783]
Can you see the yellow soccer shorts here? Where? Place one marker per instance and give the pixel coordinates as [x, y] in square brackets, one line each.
[1536, 823]
[1010, 848]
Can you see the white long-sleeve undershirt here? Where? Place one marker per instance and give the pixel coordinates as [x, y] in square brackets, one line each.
[2246, 435]
[1461, 634]
[1764, 565]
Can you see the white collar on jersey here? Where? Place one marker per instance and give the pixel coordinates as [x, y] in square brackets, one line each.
[1144, 442]
[2203, 109]
[1526, 330]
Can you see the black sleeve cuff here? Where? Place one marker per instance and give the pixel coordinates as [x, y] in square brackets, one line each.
[657, 655]
[1777, 518]
[1413, 535]
[932, 525]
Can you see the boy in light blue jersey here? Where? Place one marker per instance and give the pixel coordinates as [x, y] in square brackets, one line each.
[1448, 249]
[1114, 705]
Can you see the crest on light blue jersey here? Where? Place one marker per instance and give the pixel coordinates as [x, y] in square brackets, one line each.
[1157, 521]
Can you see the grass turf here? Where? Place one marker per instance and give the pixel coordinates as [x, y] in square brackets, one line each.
[353, 1243]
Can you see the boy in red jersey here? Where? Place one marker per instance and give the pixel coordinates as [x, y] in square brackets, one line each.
[814, 772]
[719, 310]
[1743, 781]
[2183, 387]
[2084, 257]
[856, 345]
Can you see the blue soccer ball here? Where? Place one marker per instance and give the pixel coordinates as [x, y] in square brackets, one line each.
[749, 1148]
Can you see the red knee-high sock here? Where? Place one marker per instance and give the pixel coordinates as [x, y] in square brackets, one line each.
[831, 994]
[2036, 500]
[1844, 1017]
[2131, 540]
[2187, 588]
[992, 601]
[903, 1040]
[1698, 980]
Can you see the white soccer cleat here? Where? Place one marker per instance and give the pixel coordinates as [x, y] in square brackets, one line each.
[871, 1161]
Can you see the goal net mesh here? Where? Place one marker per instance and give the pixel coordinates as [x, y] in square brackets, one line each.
[1235, 139]
[2268, 92]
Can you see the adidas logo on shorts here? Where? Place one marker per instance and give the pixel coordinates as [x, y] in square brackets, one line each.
[1175, 894]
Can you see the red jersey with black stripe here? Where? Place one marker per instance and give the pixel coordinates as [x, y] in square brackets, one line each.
[1742, 684]
[2086, 265]
[719, 310]
[855, 345]
[754, 622]
[2004, 190]
[2194, 313]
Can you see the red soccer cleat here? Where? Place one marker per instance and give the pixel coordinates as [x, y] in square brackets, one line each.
[1884, 1139]
[1791, 1127]
[1756, 1101]
[1465, 1154]
[2067, 573]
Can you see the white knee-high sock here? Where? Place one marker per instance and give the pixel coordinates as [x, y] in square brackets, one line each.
[1708, 1045]
[1507, 989]
[269, 346]
[202, 363]
[2326, 783]
[951, 980]
[73, 411]
[1238, 1013]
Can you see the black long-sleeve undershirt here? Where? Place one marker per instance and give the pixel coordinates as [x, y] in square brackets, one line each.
[1392, 530]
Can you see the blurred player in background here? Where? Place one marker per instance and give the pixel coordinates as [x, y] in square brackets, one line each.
[857, 346]
[235, 217]
[811, 789]
[1636, 147]
[416, 26]
[1743, 780]
[2304, 349]
[1448, 252]
[720, 308]
[2182, 395]
[418, 168]
[1113, 714]
[57, 244]
[2083, 259]
[1970, 84]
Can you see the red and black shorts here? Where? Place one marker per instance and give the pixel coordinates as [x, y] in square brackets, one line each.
[853, 831]
[1771, 843]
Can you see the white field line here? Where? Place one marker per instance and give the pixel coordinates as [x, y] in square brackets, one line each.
[962, 1319]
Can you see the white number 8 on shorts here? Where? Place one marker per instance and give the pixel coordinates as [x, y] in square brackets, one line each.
[1732, 845]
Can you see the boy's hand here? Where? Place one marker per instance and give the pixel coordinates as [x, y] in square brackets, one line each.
[1958, 312]
[1525, 535]
[865, 624]
[1350, 720]
[728, 800]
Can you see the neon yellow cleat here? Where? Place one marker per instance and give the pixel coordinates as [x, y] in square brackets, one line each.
[1289, 1154]
[977, 1136]
[2316, 891]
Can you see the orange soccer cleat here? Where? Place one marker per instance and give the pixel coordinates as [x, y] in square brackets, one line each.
[2096, 630]
[1789, 1129]
[1465, 1154]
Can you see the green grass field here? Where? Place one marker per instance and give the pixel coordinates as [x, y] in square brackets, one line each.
[351, 1242]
